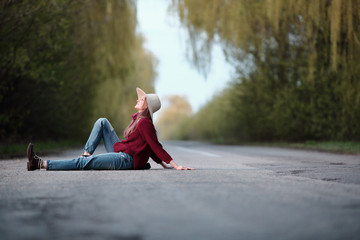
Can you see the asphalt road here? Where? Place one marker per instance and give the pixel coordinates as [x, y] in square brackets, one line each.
[236, 192]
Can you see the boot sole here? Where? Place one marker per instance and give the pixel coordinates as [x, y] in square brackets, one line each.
[29, 151]
[28, 166]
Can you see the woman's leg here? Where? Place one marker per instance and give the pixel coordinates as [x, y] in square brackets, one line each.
[106, 161]
[102, 130]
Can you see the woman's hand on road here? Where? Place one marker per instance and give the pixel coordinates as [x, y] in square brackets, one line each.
[183, 168]
[178, 167]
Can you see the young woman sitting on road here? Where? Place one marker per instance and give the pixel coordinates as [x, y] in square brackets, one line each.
[133, 152]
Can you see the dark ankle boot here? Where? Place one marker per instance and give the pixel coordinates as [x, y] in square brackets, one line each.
[147, 166]
[34, 162]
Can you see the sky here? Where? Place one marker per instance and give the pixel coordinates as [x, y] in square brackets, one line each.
[167, 41]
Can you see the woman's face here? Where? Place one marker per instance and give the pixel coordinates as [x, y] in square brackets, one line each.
[141, 104]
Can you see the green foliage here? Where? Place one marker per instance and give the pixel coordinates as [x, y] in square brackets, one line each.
[116, 97]
[177, 110]
[301, 83]
[65, 63]
[35, 50]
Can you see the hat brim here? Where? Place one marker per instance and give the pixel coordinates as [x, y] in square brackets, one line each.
[140, 93]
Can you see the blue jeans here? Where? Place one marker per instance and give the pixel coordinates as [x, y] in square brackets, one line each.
[102, 130]
[107, 161]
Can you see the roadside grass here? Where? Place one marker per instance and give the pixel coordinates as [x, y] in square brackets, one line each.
[17, 150]
[45, 147]
[330, 146]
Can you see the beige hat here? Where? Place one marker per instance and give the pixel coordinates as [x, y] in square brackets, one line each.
[152, 99]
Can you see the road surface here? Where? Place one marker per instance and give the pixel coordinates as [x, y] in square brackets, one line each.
[236, 192]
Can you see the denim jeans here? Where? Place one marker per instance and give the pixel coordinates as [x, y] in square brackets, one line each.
[107, 161]
[102, 130]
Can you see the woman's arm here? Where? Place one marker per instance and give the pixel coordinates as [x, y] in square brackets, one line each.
[164, 165]
[147, 131]
[178, 167]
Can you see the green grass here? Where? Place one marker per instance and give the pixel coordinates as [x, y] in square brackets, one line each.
[19, 149]
[330, 146]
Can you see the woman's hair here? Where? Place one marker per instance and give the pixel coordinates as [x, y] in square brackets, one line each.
[132, 126]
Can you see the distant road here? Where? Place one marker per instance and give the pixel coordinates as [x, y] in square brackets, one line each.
[236, 192]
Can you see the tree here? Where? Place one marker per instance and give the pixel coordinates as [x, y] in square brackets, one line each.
[302, 63]
[178, 109]
[63, 62]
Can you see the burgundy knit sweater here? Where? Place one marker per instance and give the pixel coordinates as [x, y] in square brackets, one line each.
[143, 143]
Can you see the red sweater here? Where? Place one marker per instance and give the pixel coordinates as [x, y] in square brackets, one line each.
[143, 143]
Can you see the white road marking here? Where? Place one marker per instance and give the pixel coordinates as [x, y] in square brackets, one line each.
[199, 152]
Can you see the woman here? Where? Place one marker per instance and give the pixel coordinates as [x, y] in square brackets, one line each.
[133, 152]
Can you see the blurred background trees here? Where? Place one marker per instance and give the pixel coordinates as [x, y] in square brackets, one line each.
[64, 63]
[297, 68]
[175, 110]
